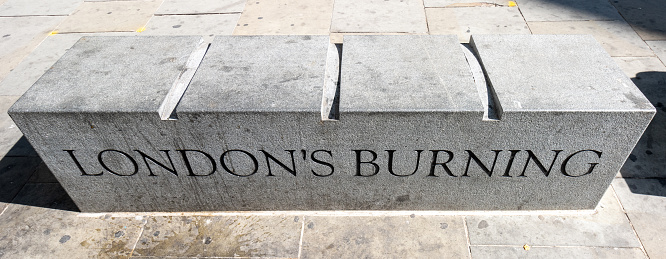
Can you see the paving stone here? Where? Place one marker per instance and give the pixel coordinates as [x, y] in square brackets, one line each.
[648, 159]
[210, 24]
[642, 195]
[646, 16]
[567, 10]
[464, 3]
[38, 7]
[379, 16]
[295, 17]
[474, 20]
[222, 236]
[42, 175]
[109, 16]
[650, 228]
[607, 227]
[14, 173]
[617, 37]
[20, 35]
[35, 232]
[384, 237]
[36, 63]
[480, 252]
[659, 48]
[45, 195]
[201, 6]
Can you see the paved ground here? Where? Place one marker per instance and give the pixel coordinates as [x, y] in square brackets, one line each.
[38, 220]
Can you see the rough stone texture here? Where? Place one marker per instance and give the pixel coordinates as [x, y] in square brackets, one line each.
[296, 17]
[210, 24]
[379, 16]
[617, 37]
[366, 237]
[463, 3]
[224, 236]
[646, 16]
[472, 20]
[109, 16]
[498, 252]
[648, 159]
[201, 6]
[11, 141]
[254, 106]
[607, 227]
[567, 10]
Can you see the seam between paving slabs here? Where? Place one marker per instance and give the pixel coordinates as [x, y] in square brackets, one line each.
[143, 227]
[300, 243]
[469, 246]
[617, 198]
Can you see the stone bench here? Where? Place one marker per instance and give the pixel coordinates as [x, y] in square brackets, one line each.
[510, 122]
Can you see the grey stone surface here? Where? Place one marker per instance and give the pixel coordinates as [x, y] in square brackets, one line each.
[463, 3]
[222, 236]
[367, 237]
[405, 16]
[42, 175]
[114, 16]
[646, 16]
[650, 228]
[648, 159]
[12, 142]
[497, 252]
[259, 73]
[200, 7]
[567, 10]
[642, 195]
[38, 7]
[607, 227]
[100, 73]
[406, 73]
[249, 135]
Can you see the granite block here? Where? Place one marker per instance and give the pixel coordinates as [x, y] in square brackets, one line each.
[411, 135]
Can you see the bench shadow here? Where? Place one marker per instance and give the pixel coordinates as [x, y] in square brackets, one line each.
[648, 159]
[26, 180]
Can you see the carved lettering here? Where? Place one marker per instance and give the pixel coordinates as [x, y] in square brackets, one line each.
[483, 167]
[531, 156]
[130, 158]
[314, 159]
[146, 158]
[232, 170]
[371, 162]
[186, 160]
[433, 163]
[589, 170]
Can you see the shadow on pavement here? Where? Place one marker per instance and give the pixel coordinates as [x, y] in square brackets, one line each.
[27, 181]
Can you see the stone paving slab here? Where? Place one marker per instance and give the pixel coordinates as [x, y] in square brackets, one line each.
[646, 16]
[465, 21]
[42, 175]
[498, 252]
[35, 64]
[379, 16]
[607, 227]
[617, 37]
[648, 159]
[201, 6]
[295, 17]
[20, 35]
[659, 48]
[35, 232]
[567, 10]
[642, 195]
[223, 236]
[210, 24]
[38, 7]
[464, 3]
[384, 237]
[650, 228]
[109, 16]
